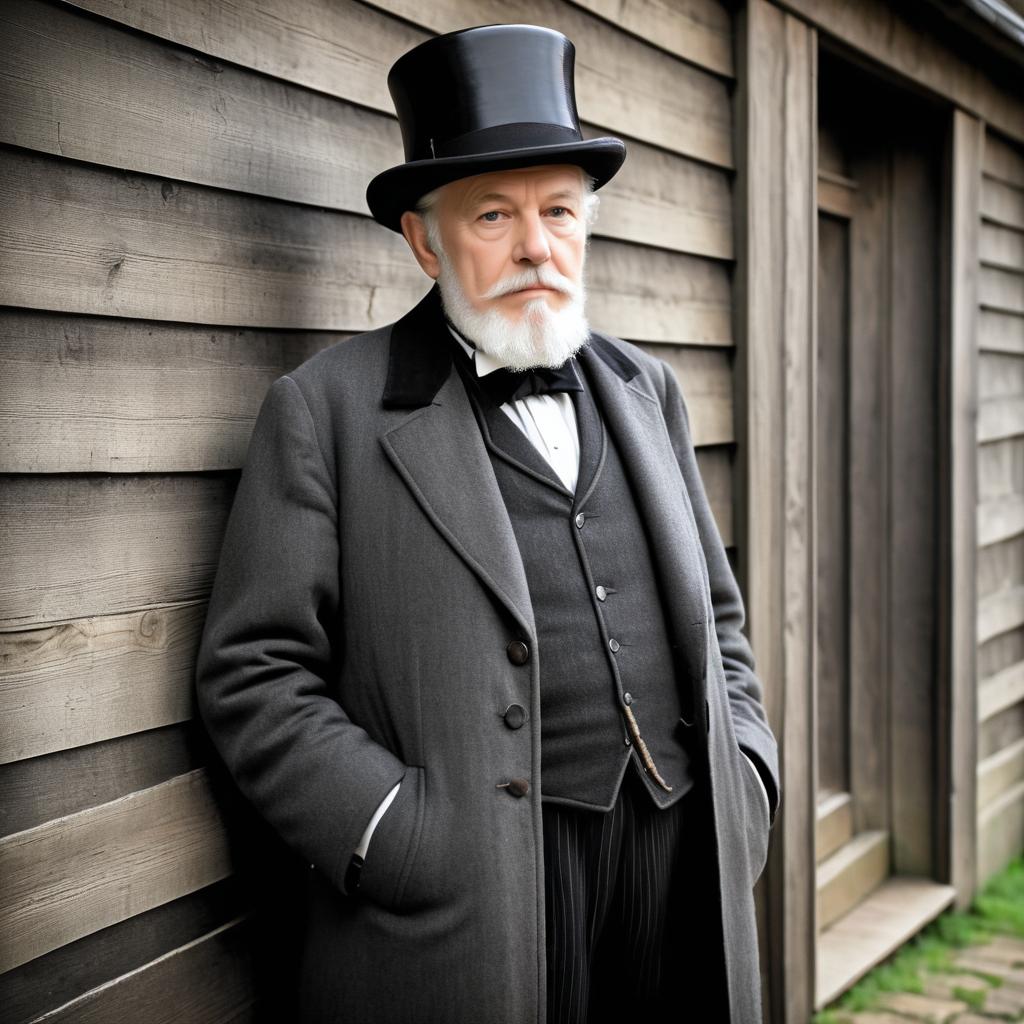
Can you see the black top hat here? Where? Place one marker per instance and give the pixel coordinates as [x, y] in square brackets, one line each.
[485, 99]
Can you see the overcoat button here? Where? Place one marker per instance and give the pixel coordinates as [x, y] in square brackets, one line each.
[515, 716]
[519, 787]
[613, 644]
[518, 653]
[601, 593]
[580, 520]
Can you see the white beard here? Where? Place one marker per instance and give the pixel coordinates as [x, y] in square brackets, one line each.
[540, 337]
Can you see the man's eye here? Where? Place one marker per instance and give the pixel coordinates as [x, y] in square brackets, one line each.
[490, 216]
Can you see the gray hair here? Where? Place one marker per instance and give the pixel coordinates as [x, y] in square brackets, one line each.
[426, 207]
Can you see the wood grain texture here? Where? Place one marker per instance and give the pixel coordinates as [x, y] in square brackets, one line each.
[1000, 469]
[850, 874]
[1002, 247]
[75, 86]
[1001, 730]
[1000, 832]
[1000, 772]
[76, 875]
[661, 199]
[210, 980]
[622, 84]
[1000, 566]
[342, 49]
[915, 492]
[1003, 160]
[891, 36]
[836, 196]
[653, 295]
[716, 473]
[1000, 691]
[1000, 375]
[1000, 518]
[699, 31]
[834, 825]
[776, 322]
[73, 547]
[1000, 653]
[56, 978]
[82, 240]
[871, 277]
[1002, 289]
[957, 602]
[78, 239]
[93, 679]
[90, 394]
[1000, 332]
[40, 789]
[705, 378]
[897, 910]
[1000, 612]
[1000, 418]
[831, 472]
[1002, 203]
[78, 87]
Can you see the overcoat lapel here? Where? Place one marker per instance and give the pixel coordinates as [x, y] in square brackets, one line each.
[634, 419]
[438, 451]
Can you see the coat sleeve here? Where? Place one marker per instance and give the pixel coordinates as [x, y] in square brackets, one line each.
[745, 691]
[270, 646]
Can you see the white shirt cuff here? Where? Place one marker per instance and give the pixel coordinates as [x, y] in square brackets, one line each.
[364, 843]
[760, 782]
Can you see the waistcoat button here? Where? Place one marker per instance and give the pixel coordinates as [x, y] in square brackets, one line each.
[613, 644]
[601, 593]
[518, 653]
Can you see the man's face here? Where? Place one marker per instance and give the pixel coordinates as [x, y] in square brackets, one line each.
[496, 225]
[510, 248]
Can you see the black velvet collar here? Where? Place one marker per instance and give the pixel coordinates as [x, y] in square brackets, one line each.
[420, 356]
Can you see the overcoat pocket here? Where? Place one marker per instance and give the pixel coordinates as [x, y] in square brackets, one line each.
[393, 854]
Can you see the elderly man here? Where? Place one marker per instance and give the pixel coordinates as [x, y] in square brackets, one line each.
[474, 647]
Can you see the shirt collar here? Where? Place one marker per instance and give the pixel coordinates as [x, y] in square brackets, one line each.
[483, 363]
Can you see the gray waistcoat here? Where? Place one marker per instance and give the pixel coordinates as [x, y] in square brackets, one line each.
[601, 630]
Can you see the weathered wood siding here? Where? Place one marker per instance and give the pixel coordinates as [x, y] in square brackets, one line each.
[1000, 531]
[182, 219]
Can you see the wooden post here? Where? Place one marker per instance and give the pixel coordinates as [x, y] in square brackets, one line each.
[776, 345]
[958, 727]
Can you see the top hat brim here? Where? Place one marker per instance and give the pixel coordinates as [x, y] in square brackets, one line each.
[398, 189]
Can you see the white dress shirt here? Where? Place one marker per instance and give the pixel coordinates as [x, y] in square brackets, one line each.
[549, 421]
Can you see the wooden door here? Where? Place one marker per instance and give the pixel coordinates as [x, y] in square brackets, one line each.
[875, 460]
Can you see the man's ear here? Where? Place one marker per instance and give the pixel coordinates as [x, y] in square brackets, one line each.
[415, 233]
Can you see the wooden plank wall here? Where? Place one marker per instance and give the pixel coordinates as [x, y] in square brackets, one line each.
[1000, 564]
[181, 221]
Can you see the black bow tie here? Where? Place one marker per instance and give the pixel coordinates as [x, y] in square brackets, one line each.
[506, 385]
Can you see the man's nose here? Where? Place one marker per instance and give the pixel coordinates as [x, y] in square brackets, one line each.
[532, 243]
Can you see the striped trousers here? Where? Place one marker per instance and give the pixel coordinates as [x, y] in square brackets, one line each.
[608, 880]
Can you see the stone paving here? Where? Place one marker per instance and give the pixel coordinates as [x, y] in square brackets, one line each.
[989, 988]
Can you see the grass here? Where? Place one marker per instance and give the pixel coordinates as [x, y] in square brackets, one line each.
[997, 909]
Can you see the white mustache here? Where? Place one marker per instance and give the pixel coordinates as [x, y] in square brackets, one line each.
[539, 276]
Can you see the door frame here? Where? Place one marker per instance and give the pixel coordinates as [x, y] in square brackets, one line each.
[775, 307]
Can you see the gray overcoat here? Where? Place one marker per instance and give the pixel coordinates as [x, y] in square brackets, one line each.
[369, 586]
